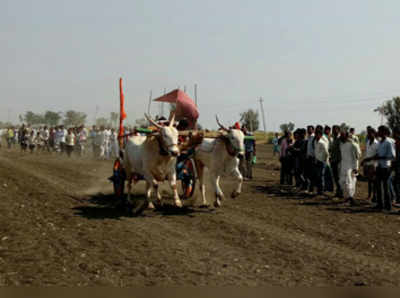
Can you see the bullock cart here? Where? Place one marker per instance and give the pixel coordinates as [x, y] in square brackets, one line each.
[185, 165]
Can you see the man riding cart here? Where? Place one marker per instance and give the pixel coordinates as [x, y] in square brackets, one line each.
[154, 157]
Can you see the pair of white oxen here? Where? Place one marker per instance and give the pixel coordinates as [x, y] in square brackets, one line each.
[154, 157]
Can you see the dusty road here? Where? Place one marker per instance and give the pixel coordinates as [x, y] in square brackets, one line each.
[59, 227]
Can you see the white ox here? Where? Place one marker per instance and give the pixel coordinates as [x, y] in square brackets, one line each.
[220, 156]
[154, 158]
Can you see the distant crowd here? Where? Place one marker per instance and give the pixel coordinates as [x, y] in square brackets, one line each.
[328, 159]
[101, 142]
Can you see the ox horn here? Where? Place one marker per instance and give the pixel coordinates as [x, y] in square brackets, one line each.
[152, 121]
[219, 123]
[172, 120]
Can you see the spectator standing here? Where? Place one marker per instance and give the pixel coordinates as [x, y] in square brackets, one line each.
[335, 159]
[285, 159]
[31, 141]
[396, 165]
[69, 142]
[250, 153]
[92, 137]
[58, 138]
[369, 167]
[385, 154]
[350, 153]
[309, 173]
[275, 144]
[353, 135]
[45, 136]
[63, 135]
[298, 152]
[321, 152]
[10, 137]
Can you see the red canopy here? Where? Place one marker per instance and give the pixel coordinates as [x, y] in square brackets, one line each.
[185, 106]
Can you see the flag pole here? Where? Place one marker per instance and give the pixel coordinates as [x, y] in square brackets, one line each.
[122, 115]
[148, 107]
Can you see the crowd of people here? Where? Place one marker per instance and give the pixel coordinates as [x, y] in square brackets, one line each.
[101, 141]
[329, 159]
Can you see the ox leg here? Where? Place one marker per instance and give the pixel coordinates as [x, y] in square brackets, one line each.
[236, 173]
[129, 179]
[200, 171]
[219, 195]
[172, 182]
[157, 191]
[149, 188]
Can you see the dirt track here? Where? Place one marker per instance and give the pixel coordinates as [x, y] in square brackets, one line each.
[59, 227]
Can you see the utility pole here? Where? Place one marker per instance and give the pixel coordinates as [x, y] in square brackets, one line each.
[195, 94]
[148, 107]
[8, 115]
[95, 114]
[162, 104]
[263, 114]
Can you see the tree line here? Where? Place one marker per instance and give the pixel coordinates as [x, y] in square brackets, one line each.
[68, 118]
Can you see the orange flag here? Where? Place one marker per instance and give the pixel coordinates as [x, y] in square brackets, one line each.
[122, 114]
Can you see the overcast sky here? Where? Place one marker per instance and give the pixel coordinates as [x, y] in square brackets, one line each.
[311, 61]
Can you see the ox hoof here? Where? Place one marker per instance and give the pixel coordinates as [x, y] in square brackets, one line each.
[178, 204]
[158, 203]
[204, 206]
[235, 194]
[217, 204]
[150, 206]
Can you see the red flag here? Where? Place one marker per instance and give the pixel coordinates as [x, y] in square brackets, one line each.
[122, 114]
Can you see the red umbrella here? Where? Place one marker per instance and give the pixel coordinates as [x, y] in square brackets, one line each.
[185, 106]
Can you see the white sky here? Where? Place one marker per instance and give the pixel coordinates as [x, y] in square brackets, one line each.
[312, 61]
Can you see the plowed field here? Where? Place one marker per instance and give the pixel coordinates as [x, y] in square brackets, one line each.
[59, 226]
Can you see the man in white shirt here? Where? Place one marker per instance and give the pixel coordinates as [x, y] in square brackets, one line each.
[45, 135]
[107, 144]
[58, 139]
[114, 143]
[369, 167]
[63, 135]
[309, 173]
[100, 142]
[350, 153]
[321, 153]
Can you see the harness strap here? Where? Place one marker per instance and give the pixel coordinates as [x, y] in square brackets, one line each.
[228, 145]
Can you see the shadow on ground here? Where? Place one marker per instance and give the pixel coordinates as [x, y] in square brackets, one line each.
[106, 206]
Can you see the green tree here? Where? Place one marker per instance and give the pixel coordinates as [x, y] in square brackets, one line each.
[249, 119]
[102, 121]
[52, 118]
[287, 127]
[33, 118]
[5, 125]
[74, 118]
[391, 111]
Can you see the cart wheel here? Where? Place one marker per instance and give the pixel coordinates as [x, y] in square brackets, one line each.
[188, 181]
[118, 179]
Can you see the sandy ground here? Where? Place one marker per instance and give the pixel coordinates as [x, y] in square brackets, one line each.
[59, 226]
